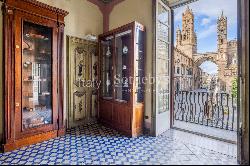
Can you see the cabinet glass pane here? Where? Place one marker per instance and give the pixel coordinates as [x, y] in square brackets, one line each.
[36, 75]
[107, 68]
[123, 51]
[139, 65]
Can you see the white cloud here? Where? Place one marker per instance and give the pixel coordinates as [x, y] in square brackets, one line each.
[212, 9]
[207, 32]
[205, 21]
[209, 67]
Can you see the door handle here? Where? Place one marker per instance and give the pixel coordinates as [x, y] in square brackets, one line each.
[17, 104]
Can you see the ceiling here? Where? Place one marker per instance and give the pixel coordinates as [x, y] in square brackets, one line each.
[178, 3]
[106, 1]
[172, 3]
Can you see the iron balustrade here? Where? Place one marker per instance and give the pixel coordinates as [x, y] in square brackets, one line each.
[217, 110]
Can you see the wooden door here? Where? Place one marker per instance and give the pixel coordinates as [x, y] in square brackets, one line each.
[36, 109]
[82, 81]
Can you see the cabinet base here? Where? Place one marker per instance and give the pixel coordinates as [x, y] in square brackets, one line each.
[129, 133]
[32, 140]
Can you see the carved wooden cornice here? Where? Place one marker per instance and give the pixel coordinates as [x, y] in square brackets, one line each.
[76, 40]
[38, 4]
[51, 8]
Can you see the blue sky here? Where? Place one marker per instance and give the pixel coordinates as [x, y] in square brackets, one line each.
[206, 13]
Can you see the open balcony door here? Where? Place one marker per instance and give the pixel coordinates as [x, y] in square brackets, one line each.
[162, 68]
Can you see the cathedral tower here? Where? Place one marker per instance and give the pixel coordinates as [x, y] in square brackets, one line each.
[178, 37]
[186, 39]
[222, 37]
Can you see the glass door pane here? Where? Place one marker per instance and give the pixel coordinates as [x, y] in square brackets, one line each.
[107, 68]
[36, 76]
[123, 51]
[162, 67]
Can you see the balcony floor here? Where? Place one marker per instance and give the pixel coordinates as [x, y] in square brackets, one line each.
[98, 145]
[207, 130]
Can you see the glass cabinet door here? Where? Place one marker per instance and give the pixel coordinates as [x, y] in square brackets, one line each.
[36, 75]
[107, 68]
[123, 51]
[139, 65]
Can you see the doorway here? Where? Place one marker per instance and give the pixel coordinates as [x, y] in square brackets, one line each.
[204, 69]
[205, 50]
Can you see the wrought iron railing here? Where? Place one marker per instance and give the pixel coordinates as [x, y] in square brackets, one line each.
[217, 110]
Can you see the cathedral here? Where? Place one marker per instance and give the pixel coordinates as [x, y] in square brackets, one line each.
[188, 74]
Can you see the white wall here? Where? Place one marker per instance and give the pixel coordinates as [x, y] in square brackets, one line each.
[84, 18]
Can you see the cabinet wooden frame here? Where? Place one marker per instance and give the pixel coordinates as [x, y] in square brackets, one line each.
[15, 12]
[126, 117]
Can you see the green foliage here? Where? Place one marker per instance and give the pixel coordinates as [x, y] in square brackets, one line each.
[235, 87]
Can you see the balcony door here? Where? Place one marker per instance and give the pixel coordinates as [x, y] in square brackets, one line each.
[162, 68]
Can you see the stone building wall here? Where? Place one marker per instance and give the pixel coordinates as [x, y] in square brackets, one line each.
[187, 59]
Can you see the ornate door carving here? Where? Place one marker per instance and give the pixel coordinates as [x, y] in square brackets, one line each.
[82, 77]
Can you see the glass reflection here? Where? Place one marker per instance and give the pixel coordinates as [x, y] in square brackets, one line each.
[123, 49]
[107, 69]
[36, 76]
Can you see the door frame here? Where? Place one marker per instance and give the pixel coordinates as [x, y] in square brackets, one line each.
[154, 70]
[72, 41]
[242, 88]
[243, 83]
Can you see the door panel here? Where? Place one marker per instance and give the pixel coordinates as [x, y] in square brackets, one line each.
[82, 72]
[35, 76]
[105, 111]
[162, 67]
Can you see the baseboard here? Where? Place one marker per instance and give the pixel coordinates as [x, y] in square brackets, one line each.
[29, 141]
[61, 132]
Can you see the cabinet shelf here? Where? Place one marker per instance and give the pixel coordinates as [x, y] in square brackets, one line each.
[107, 98]
[31, 97]
[36, 37]
[35, 80]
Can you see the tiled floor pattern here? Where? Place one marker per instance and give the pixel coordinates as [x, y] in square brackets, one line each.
[94, 145]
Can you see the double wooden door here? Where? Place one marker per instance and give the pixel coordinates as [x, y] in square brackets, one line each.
[82, 81]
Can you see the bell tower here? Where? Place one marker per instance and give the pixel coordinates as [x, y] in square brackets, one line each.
[178, 37]
[222, 36]
[188, 43]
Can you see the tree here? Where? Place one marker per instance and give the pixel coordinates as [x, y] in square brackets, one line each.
[235, 87]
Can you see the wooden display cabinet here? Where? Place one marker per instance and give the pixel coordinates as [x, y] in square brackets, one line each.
[33, 44]
[121, 96]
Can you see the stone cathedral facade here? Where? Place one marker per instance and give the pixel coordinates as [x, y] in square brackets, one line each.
[188, 74]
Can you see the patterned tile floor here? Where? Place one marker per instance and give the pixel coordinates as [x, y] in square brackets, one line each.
[97, 145]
